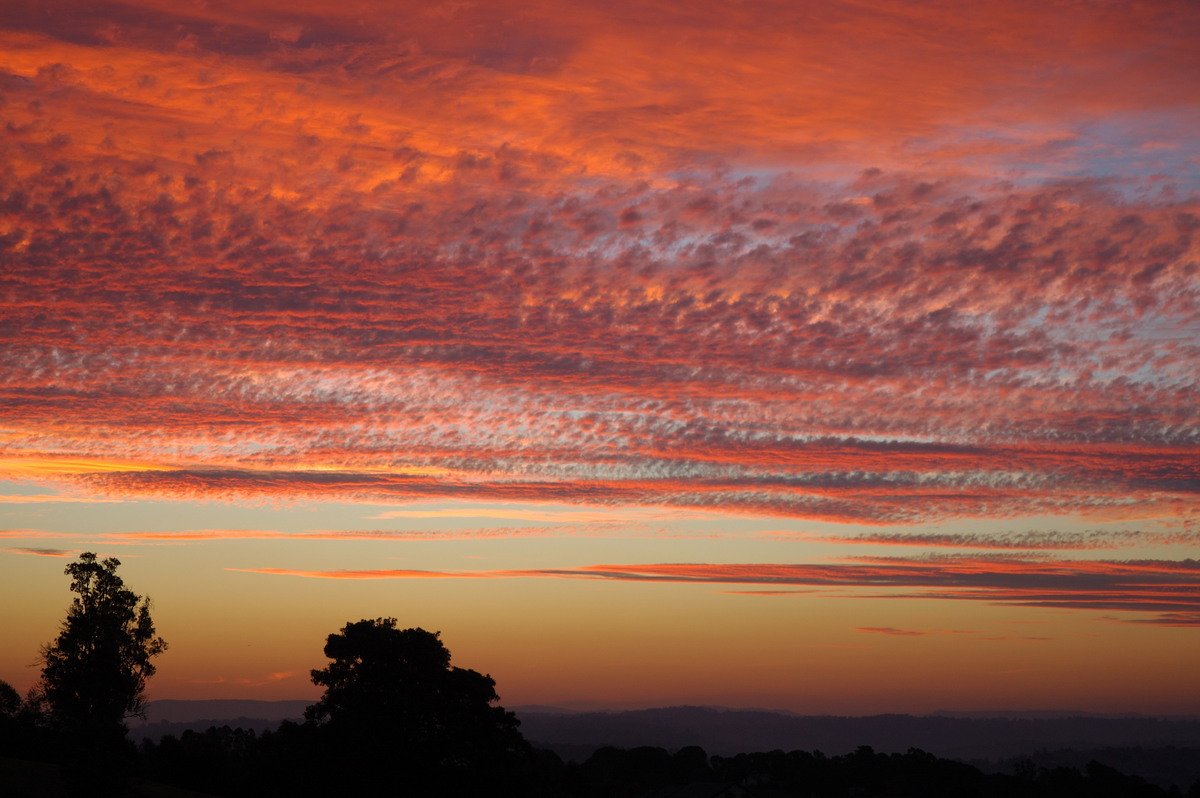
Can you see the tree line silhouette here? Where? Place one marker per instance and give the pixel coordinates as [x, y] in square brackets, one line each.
[396, 718]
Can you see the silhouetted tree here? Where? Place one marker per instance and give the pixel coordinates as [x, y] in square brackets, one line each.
[399, 713]
[94, 675]
[10, 700]
[10, 726]
[218, 761]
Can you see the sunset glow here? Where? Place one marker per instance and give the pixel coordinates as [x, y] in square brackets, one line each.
[614, 340]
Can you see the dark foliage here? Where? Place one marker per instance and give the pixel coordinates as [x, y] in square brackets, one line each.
[392, 696]
[94, 677]
[654, 773]
[396, 718]
[22, 730]
[225, 762]
[10, 701]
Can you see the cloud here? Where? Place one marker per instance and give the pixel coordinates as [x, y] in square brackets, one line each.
[1172, 619]
[604, 515]
[765, 592]
[1166, 587]
[44, 498]
[248, 681]
[40, 552]
[32, 466]
[892, 265]
[471, 533]
[31, 534]
[388, 573]
[888, 630]
[894, 632]
[1054, 540]
[838, 494]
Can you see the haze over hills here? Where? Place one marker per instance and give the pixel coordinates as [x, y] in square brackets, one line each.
[1162, 750]
[175, 716]
[727, 732]
[172, 710]
[970, 736]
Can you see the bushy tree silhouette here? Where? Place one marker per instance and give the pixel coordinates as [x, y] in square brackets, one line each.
[397, 711]
[94, 675]
[10, 700]
[10, 708]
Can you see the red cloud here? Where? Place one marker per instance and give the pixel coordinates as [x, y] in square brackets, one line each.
[388, 573]
[1017, 541]
[767, 262]
[471, 533]
[1165, 587]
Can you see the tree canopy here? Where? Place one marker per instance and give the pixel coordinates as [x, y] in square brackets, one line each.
[10, 700]
[94, 675]
[391, 695]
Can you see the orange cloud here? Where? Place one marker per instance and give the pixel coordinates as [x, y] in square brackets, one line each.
[472, 533]
[27, 534]
[594, 515]
[16, 468]
[389, 573]
[248, 681]
[882, 263]
[40, 498]
[1166, 587]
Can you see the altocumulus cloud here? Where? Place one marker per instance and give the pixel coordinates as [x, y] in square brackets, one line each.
[285, 265]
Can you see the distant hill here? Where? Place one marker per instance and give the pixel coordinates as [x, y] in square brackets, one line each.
[172, 716]
[172, 710]
[1163, 750]
[1162, 766]
[727, 732]
[964, 735]
[1051, 714]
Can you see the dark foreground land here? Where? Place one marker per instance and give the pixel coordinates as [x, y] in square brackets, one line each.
[202, 764]
[290, 758]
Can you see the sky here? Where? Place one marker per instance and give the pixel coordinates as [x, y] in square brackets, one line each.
[836, 357]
